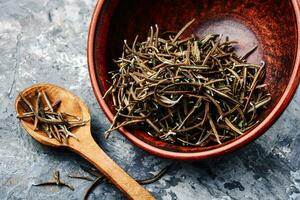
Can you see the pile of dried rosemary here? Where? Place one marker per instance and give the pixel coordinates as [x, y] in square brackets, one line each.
[55, 124]
[187, 91]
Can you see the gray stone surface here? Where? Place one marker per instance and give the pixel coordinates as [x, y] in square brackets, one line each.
[45, 41]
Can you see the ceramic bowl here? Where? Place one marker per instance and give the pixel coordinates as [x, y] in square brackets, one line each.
[272, 25]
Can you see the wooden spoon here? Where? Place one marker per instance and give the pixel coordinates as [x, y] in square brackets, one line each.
[85, 145]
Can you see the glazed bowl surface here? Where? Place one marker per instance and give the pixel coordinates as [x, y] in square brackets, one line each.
[272, 25]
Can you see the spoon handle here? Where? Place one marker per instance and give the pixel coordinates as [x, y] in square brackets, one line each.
[96, 156]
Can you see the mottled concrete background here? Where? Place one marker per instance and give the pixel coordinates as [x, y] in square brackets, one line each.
[45, 41]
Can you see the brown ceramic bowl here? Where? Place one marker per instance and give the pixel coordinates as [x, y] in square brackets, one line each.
[273, 25]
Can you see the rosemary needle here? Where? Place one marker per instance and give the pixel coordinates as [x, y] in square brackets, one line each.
[55, 181]
[92, 186]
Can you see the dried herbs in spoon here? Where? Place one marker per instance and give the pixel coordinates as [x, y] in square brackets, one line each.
[187, 91]
[45, 117]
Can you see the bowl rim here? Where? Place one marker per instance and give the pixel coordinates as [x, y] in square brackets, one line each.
[235, 144]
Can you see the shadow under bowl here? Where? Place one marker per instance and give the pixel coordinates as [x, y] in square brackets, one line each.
[272, 25]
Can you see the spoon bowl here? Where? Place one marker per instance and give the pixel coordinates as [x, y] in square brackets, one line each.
[84, 145]
[69, 104]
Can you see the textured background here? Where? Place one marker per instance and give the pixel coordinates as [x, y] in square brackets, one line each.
[45, 41]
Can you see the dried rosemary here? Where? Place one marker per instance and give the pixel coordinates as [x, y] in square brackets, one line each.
[55, 181]
[46, 118]
[100, 177]
[187, 91]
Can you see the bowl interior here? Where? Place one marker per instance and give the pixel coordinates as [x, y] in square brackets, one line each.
[269, 24]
